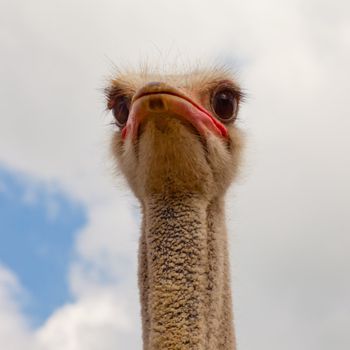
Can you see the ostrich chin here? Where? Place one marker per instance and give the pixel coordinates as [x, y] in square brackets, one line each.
[172, 147]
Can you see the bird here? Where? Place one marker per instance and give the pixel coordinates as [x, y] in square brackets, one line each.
[179, 148]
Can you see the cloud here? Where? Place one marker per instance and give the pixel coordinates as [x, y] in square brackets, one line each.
[289, 214]
[14, 331]
[99, 321]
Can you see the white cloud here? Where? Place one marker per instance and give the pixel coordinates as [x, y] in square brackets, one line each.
[99, 321]
[14, 331]
[290, 215]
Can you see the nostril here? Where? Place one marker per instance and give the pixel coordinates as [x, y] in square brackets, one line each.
[156, 104]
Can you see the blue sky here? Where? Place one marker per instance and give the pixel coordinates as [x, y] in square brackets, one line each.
[38, 228]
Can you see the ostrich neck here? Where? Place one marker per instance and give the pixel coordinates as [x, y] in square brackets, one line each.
[184, 275]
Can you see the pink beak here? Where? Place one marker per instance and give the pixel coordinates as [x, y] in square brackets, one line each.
[152, 100]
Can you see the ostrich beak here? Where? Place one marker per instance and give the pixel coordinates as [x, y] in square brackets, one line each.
[158, 98]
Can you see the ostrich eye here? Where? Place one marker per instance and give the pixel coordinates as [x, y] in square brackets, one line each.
[224, 103]
[120, 110]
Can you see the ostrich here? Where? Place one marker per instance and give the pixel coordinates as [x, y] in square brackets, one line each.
[179, 148]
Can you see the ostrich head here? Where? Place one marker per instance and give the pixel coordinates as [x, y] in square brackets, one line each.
[177, 133]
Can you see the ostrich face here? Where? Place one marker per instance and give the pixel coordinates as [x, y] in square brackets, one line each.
[177, 133]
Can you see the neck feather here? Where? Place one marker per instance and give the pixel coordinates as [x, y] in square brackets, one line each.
[184, 275]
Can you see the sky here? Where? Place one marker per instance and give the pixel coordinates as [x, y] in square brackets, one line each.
[38, 228]
[69, 226]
